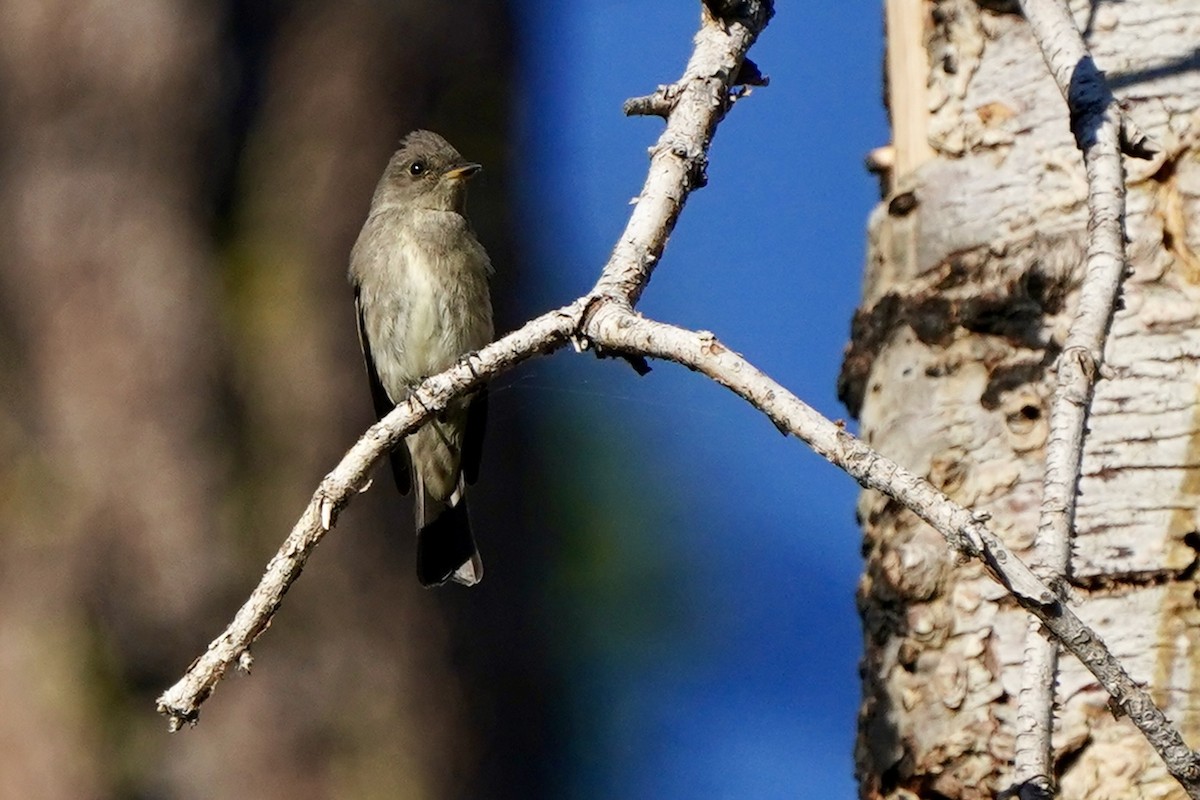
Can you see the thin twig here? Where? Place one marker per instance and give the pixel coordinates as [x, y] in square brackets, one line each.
[698, 102]
[659, 104]
[1101, 130]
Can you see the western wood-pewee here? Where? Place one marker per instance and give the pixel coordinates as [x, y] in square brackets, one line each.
[420, 282]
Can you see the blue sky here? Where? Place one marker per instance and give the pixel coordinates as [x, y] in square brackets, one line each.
[744, 682]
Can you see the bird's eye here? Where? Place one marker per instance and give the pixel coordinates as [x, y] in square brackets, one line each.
[417, 168]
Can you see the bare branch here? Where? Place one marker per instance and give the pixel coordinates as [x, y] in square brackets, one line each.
[612, 324]
[605, 318]
[619, 328]
[181, 703]
[1101, 130]
[1096, 121]
[701, 98]
[698, 102]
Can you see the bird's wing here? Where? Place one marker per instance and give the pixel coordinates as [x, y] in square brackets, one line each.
[383, 403]
[472, 445]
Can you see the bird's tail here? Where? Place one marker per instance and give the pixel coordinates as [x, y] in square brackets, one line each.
[445, 547]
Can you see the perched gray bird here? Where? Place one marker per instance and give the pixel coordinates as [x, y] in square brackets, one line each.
[420, 282]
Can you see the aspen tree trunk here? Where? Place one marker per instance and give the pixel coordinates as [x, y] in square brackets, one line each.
[973, 264]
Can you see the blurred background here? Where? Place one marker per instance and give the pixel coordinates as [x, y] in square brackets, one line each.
[668, 608]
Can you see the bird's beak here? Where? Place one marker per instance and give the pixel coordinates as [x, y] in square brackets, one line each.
[463, 172]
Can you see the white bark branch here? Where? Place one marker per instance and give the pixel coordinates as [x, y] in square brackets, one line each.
[605, 318]
[699, 100]
[620, 328]
[181, 703]
[1097, 122]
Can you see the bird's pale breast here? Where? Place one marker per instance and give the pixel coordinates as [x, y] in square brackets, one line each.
[428, 304]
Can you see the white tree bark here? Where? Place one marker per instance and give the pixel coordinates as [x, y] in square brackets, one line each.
[973, 277]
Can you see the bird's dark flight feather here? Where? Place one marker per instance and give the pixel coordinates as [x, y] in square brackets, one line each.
[383, 403]
[444, 545]
[472, 447]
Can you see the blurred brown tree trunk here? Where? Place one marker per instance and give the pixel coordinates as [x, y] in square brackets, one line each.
[972, 271]
[170, 399]
[111, 534]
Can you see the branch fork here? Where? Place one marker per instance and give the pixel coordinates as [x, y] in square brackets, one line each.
[691, 121]
[604, 321]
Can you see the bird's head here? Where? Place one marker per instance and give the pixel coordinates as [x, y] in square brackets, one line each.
[427, 173]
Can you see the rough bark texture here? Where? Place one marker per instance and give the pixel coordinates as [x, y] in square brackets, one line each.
[972, 270]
